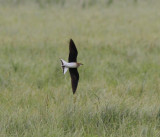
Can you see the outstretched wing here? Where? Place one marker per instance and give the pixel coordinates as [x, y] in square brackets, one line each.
[74, 78]
[72, 52]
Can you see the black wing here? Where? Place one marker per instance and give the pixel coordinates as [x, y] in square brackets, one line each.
[72, 52]
[74, 78]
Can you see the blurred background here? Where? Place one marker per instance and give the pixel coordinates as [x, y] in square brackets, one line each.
[78, 3]
[119, 88]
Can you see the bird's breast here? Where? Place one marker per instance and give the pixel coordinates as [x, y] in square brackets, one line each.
[71, 65]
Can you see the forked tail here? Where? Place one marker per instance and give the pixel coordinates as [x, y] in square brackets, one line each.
[63, 66]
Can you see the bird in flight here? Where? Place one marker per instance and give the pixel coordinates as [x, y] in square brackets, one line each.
[72, 65]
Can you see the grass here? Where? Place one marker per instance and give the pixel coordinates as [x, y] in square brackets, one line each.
[119, 91]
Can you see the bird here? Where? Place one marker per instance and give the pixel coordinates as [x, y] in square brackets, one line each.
[72, 65]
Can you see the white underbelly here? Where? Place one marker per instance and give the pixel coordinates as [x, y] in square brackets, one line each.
[71, 65]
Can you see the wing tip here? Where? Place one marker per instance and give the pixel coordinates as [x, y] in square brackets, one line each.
[71, 41]
[74, 90]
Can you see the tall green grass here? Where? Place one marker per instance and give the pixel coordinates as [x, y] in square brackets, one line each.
[118, 93]
[76, 3]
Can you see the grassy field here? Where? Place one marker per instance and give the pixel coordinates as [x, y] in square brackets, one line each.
[119, 88]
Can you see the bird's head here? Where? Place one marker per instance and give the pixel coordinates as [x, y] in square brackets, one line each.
[79, 64]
